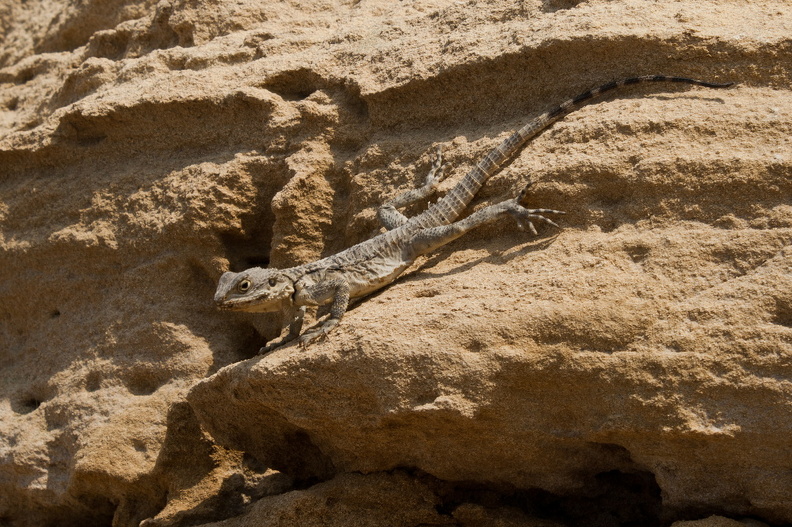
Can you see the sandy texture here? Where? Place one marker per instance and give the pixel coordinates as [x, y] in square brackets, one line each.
[631, 367]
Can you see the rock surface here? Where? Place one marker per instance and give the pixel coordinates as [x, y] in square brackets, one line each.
[633, 367]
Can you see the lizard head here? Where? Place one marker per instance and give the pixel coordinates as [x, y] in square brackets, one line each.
[255, 290]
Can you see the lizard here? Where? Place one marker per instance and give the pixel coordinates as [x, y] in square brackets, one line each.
[378, 261]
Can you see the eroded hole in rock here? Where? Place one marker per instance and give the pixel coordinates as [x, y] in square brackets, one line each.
[142, 386]
[426, 397]
[355, 106]
[295, 85]
[144, 381]
[25, 404]
[552, 6]
[637, 253]
[93, 381]
[475, 345]
[305, 462]
[257, 38]
[251, 341]
[30, 124]
[84, 510]
[80, 131]
[26, 75]
[109, 44]
[251, 463]
[245, 251]
[609, 499]
[139, 445]
[97, 510]
[30, 398]
[783, 312]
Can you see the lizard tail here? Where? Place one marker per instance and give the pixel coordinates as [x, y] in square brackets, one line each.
[451, 206]
[573, 104]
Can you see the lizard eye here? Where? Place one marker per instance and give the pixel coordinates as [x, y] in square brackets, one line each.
[272, 282]
[243, 286]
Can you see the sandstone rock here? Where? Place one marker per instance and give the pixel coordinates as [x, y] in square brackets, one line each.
[718, 521]
[380, 500]
[643, 350]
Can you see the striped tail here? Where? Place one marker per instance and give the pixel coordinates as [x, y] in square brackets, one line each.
[451, 206]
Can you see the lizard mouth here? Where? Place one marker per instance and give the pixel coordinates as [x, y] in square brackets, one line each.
[250, 305]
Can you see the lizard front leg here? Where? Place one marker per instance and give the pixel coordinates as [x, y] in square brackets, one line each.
[338, 290]
[392, 218]
[295, 326]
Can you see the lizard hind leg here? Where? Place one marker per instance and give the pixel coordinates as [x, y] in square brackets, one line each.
[430, 239]
[391, 218]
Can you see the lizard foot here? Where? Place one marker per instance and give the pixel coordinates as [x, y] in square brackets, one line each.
[525, 216]
[275, 344]
[266, 349]
[312, 336]
[318, 333]
[436, 174]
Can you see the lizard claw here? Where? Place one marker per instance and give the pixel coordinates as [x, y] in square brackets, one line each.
[521, 225]
[524, 216]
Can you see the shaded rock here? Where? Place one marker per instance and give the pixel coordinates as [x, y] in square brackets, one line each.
[382, 500]
[719, 521]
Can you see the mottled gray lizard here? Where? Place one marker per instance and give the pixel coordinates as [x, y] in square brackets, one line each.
[374, 263]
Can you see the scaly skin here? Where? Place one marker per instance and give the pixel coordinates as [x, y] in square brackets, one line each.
[375, 263]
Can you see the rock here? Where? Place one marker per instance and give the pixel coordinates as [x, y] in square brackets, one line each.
[718, 521]
[467, 392]
[640, 352]
[382, 500]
